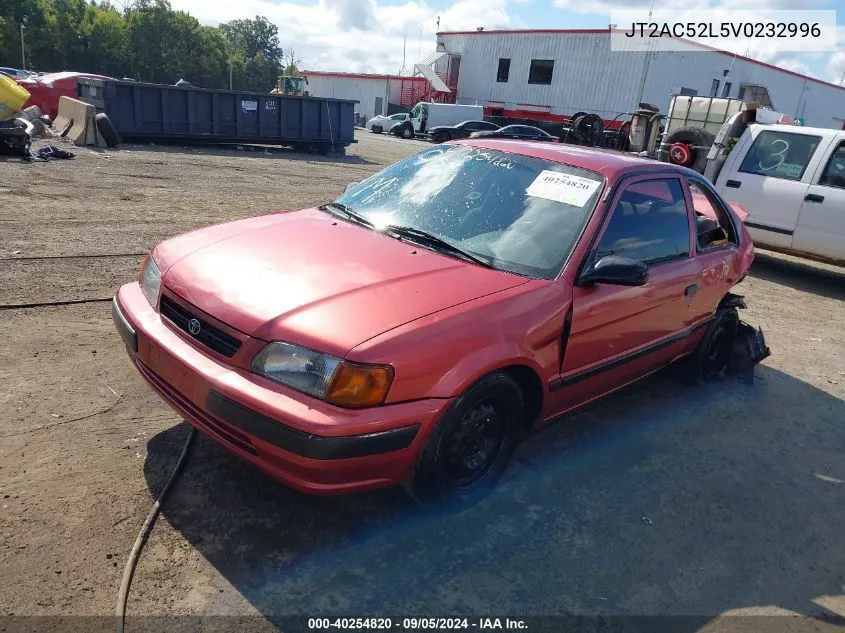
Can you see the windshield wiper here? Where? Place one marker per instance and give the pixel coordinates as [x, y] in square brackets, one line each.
[340, 209]
[424, 238]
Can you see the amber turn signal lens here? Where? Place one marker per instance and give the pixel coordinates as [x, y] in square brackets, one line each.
[360, 385]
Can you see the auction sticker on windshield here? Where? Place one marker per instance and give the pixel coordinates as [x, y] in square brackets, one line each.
[566, 188]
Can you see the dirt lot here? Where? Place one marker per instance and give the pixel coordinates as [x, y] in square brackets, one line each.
[660, 501]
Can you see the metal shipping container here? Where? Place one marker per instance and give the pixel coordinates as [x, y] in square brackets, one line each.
[142, 111]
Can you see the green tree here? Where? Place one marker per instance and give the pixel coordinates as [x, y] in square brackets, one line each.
[105, 39]
[255, 53]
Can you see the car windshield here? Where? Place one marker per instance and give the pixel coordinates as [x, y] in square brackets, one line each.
[516, 213]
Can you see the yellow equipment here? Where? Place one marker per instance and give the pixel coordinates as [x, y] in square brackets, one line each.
[289, 85]
[12, 97]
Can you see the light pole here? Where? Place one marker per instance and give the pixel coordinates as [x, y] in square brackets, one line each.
[23, 53]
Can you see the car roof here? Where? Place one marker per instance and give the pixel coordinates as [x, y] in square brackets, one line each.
[609, 163]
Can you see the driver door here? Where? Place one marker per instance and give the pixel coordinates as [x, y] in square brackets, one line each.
[618, 333]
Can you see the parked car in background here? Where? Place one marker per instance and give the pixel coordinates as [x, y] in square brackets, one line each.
[791, 181]
[443, 133]
[412, 331]
[425, 116]
[381, 123]
[15, 73]
[517, 132]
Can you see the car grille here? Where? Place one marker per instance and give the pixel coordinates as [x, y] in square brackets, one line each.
[208, 335]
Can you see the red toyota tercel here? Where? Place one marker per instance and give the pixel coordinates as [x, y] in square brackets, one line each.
[413, 330]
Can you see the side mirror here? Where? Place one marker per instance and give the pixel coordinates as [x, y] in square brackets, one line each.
[619, 271]
[351, 185]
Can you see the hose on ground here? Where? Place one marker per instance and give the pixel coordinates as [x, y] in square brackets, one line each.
[47, 304]
[135, 554]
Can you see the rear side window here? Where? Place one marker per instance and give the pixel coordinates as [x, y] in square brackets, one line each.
[834, 173]
[780, 154]
[650, 223]
[713, 226]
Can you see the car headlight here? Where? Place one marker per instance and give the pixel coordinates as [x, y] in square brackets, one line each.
[150, 280]
[323, 376]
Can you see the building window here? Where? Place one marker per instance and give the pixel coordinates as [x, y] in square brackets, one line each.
[714, 89]
[726, 91]
[755, 94]
[504, 70]
[541, 71]
[688, 92]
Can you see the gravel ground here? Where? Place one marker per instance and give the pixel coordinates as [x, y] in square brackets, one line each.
[660, 500]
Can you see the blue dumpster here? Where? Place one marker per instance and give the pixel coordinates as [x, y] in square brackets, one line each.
[149, 112]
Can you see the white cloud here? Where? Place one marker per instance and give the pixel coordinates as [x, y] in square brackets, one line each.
[836, 67]
[795, 65]
[356, 35]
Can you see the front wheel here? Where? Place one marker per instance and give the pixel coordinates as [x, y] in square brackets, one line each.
[469, 449]
[711, 358]
[441, 137]
[377, 129]
[407, 132]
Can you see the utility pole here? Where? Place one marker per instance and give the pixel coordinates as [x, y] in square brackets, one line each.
[648, 55]
[23, 52]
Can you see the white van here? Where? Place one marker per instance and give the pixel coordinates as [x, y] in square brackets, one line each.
[791, 181]
[425, 116]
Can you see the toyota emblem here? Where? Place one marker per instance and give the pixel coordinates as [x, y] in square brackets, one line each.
[194, 327]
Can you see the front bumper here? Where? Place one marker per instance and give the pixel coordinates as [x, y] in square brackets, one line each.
[305, 443]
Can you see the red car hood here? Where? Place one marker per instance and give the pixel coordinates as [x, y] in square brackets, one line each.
[308, 278]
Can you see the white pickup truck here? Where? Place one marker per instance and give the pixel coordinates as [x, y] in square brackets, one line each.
[791, 181]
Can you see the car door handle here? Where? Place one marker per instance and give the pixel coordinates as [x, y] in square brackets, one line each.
[691, 291]
[733, 184]
[814, 197]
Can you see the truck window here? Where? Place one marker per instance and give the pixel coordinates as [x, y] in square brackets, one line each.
[415, 113]
[649, 224]
[780, 154]
[834, 173]
[713, 226]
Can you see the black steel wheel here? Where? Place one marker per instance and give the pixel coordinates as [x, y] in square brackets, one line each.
[441, 137]
[407, 131]
[469, 450]
[712, 357]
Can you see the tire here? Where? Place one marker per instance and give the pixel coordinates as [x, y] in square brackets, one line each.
[377, 129]
[711, 358]
[107, 131]
[406, 132]
[698, 140]
[441, 137]
[471, 446]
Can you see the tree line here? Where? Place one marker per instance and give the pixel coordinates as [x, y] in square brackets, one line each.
[145, 40]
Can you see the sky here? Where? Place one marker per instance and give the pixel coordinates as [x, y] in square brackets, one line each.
[370, 35]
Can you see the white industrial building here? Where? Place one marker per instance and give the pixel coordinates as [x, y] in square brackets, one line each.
[372, 92]
[552, 74]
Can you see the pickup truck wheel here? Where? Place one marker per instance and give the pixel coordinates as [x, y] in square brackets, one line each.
[696, 143]
[710, 360]
[469, 449]
[377, 129]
